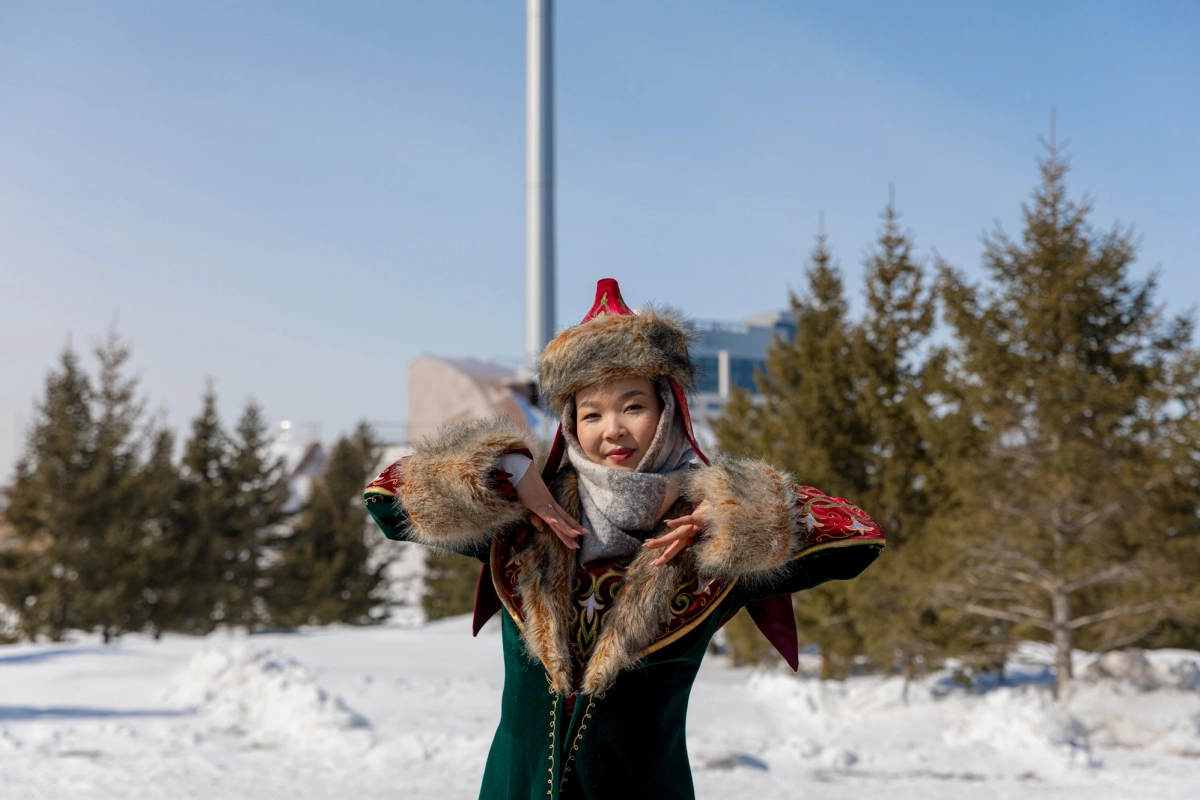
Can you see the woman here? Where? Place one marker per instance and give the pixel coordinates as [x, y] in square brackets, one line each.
[617, 564]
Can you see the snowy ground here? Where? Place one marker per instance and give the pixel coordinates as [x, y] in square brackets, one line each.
[409, 712]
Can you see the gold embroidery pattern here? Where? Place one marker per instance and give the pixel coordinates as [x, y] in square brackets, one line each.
[591, 605]
[587, 714]
[691, 599]
[553, 720]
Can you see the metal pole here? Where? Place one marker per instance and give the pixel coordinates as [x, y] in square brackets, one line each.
[539, 179]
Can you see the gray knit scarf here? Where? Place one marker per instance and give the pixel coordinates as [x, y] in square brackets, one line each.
[620, 508]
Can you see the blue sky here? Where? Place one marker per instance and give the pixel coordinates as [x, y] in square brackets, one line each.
[297, 199]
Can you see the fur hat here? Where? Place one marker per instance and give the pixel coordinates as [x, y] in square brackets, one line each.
[612, 343]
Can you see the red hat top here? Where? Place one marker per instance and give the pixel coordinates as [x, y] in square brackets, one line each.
[608, 300]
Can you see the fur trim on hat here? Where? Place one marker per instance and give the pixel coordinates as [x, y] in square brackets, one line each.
[613, 347]
[449, 487]
[752, 521]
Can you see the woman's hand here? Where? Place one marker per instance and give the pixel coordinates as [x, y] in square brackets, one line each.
[686, 530]
[534, 495]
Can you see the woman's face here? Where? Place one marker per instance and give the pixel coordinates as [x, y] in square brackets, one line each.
[615, 422]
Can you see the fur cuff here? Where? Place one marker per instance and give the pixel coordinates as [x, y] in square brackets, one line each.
[751, 519]
[449, 486]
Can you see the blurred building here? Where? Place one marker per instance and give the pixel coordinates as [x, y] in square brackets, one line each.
[298, 446]
[729, 354]
[445, 390]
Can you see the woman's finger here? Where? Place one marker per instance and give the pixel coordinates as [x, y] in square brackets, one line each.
[697, 519]
[677, 546]
[560, 530]
[661, 541]
[565, 520]
[570, 521]
[570, 536]
[670, 553]
[563, 537]
[564, 531]
[561, 527]
[670, 537]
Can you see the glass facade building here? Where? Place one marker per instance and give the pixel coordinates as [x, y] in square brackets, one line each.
[731, 354]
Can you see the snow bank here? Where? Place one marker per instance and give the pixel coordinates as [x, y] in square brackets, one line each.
[1022, 720]
[237, 718]
[1127, 701]
[270, 698]
[882, 723]
[1133, 699]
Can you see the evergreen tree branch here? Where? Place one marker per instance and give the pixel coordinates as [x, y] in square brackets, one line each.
[1111, 613]
[1089, 518]
[1116, 572]
[1006, 616]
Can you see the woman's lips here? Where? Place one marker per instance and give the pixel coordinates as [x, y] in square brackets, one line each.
[620, 454]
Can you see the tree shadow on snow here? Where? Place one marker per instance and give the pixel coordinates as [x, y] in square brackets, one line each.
[48, 655]
[1013, 676]
[49, 713]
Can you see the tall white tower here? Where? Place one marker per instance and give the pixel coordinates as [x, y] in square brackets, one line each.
[539, 178]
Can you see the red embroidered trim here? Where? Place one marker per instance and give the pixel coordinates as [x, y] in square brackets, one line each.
[389, 481]
[829, 519]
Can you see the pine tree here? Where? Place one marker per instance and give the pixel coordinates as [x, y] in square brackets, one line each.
[897, 324]
[167, 556]
[1077, 518]
[325, 570]
[809, 420]
[79, 509]
[848, 407]
[188, 574]
[255, 485]
[897, 613]
[805, 381]
[450, 583]
[115, 570]
[47, 508]
[230, 500]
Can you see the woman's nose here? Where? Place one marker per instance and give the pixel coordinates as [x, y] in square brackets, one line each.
[614, 430]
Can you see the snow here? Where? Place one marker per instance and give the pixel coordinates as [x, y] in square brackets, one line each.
[269, 698]
[408, 712]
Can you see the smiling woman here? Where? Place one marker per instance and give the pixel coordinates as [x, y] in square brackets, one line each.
[602, 641]
[628, 446]
[616, 422]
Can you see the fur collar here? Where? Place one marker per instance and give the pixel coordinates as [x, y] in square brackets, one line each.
[546, 587]
[751, 534]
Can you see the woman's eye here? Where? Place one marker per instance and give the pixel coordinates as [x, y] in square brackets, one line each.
[634, 407]
[588, 417]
